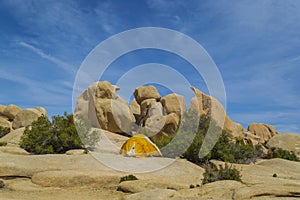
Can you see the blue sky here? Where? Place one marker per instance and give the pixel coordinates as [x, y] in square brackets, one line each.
[255, 44]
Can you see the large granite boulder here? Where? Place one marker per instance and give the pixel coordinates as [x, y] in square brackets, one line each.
[174, 103]
[114, 115]
[146, 92]
[263, 131]
[104, 108]
[11, 111]
[26, 117]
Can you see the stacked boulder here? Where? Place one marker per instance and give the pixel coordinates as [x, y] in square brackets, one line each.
[14, 117]
[14, 120]
[104, 108]
[158, 116]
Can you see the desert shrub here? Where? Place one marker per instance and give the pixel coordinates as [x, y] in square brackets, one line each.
[212, 173]
[192, 186]
[275, 152]
[2, 185]
[88, 136]
[128, 178]
[44, 137]
[3, 144]
[225, 148]
[182, 139]
[274, 175]
[4, 131]
[189, 139]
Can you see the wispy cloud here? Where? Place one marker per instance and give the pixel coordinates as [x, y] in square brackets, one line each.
[63, 65]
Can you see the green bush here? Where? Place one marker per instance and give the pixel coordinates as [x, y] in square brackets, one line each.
[189, 139]
[4, 131]
[274, 175]
[3, 144]
[275, 152]
[225, 148]
[88, 137]
[128, 178]
[58, 136]
[2, 185]
[212, 173]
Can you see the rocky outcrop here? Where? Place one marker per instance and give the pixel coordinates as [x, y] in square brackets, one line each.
[146, 92]
[287, 141]
[234, 128]
[81, 176]
[263, 131]
[11, 111]
[104, 108]
[26, 117]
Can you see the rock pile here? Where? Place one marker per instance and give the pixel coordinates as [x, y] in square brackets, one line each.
[13, 117]
[158, 116]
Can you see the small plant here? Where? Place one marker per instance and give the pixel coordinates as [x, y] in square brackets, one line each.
[280, 153]
[274, 175]
[192, 186]
[3, 144]
[4, 131]
[2, 185]
[85, 151]
[128, 178]
[212, 173]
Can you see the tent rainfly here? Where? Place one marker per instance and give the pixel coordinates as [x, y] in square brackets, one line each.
[139, 146]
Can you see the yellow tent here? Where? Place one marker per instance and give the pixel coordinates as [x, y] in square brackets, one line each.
[139, 146]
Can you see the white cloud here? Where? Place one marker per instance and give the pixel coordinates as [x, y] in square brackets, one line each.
[63, 65]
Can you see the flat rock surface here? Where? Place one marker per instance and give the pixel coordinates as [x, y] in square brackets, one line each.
[83, 177]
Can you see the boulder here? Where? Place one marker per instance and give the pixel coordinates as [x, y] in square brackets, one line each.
[264, 131]
[11, 111]
[13, 150]
[171, 124]
[149, 107]
[209, 106]
[146, 92]
[14, 137]
[85, 107]
[114, 115]
[105, 90]
[103, 107]
[234, 128]
[76, 152]
[2, 108]
[201, 102]
[288, 141]
[135, 108]
[4, 122]
[250, 138]
[25, 118]
[174, 103]
[42, 110]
